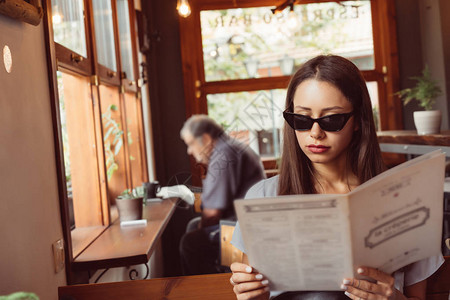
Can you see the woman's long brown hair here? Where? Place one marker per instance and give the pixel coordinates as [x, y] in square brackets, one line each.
[364, 155]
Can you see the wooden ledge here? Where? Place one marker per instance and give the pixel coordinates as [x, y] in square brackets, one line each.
[411, 137]
[124, 246]
[83, 236]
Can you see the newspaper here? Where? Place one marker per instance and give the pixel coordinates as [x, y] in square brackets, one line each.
[312, 242]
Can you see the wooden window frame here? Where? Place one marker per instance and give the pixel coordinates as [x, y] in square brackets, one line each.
[65, 60]
[385, 72]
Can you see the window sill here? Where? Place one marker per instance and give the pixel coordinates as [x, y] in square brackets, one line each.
[83, 236]
[123, 246]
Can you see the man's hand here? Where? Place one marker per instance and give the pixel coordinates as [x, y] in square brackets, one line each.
[210, 217]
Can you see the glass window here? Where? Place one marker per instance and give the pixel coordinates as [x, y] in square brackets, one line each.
[255, 118]
[253, 42]
[113, 140]
[98, 125]
[126, 50]
[372, 86]
[104, 33]
[79, 145]
[134, 139]
[68, 25]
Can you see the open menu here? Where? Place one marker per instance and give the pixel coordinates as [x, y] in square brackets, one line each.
[311, 242]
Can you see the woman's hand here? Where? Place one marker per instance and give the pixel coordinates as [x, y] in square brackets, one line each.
[381, 288]
[247, 283]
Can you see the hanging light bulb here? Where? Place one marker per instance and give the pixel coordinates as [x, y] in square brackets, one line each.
[292, 21]
[183, 8]
[56, 17]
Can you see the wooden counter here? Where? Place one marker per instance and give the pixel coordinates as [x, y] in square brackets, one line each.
[124, 246]
[409, 142]
[411, 137]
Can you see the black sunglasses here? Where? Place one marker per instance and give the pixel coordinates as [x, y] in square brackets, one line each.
[328, 123]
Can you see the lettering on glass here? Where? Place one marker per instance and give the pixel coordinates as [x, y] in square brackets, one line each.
[305, 15]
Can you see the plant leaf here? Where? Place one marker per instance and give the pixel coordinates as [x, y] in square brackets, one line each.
[117, 147]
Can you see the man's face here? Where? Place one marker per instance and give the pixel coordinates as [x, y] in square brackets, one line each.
[200, 147]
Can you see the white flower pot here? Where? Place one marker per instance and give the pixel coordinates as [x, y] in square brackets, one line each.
[427, 122]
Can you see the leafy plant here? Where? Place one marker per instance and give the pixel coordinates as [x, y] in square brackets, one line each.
[113, 147]
[137, 192]
[425, 92]
[20, 296]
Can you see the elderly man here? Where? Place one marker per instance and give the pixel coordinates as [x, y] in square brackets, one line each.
[232, 169]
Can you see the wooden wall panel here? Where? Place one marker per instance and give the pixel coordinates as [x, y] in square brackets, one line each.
[82, 150]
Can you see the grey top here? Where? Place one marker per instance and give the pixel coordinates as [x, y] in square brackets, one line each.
[232, 170]
[264, 188]
[406, 276]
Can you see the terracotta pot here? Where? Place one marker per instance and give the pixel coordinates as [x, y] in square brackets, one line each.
[427, 122]
[129, 209]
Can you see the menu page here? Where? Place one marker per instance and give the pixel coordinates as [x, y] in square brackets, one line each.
[397, 218]
[298, 243]
[311, 242]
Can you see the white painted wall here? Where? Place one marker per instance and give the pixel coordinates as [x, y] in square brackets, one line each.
[29, 206]
[433, 51]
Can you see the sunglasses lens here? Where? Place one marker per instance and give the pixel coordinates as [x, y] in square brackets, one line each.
[302, 122]
[328, 123]
[333, 123]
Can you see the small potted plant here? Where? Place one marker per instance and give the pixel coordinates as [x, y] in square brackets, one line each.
[425, 93]
[130, 204]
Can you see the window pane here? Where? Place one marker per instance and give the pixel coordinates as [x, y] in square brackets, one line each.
[255, 118]
[126, 51]
[68, 25]
[80, 158]
[253, 42]
[104, 33]
[134, 139]
[113, 139]
[372, 86]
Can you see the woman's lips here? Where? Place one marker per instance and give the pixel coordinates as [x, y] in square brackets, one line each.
[317, 148]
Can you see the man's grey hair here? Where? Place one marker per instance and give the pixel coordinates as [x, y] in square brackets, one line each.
[197, 125]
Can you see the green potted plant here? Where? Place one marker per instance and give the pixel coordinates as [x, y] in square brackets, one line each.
[424, 93]
[130, 204]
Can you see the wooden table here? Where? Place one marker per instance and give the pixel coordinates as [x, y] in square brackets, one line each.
[409, 142]
[198, 287]
[124, 246]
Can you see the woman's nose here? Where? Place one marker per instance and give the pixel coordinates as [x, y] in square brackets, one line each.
[316, 132]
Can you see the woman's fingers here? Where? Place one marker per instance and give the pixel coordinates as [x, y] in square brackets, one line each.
[254, 294]
[238, 278]
[248, 283]
[382, 288]
[249, 286]
[376, 274]
[362, 289]
[353, 284]
[240, 267]
[242, 273]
